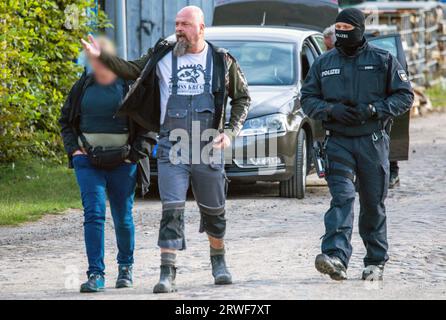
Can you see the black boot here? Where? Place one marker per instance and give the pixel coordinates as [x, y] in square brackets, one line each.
[125, 277]
[167, 280]
[394, 180]
[220, 271]
[332, 266]
[394, 175]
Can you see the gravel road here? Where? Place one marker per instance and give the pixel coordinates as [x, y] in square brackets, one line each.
[271, 243]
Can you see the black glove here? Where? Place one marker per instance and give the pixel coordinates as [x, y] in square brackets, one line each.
[345, 115]
[365, 112]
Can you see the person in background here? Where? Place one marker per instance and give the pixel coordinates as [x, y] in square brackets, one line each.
[108, 154]
[330, 37]
[394, 175]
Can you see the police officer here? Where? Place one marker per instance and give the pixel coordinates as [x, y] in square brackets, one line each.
[355, 90]
[180, 92]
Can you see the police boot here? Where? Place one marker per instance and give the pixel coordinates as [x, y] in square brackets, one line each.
[373, 273]
[167, 280]
[332, 266]
[125, 279]
[220, 271]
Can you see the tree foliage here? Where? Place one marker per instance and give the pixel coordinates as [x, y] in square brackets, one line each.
[39, 44]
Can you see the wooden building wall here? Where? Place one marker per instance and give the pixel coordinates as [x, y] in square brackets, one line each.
[148, 20]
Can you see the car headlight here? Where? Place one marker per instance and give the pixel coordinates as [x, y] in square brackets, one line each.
[275, 123]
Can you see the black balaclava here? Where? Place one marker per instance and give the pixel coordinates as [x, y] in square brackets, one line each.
[350, 41]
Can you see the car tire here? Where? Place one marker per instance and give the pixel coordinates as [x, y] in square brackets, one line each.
[295, 187]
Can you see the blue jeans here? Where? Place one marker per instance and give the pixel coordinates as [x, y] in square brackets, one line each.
[95, 185]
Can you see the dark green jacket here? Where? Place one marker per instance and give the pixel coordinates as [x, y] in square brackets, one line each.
[142, 103]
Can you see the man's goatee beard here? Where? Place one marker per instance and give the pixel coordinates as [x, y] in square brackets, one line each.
[181, 48]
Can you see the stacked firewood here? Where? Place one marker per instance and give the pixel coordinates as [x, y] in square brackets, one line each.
[442, 41]
[423, 32]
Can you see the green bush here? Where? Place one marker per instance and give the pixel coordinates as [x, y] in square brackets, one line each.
[39, 42]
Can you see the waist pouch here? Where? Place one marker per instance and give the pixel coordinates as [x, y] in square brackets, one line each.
[106, 158]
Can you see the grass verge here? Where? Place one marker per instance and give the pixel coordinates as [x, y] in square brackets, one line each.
[32, 188]
[437, 94]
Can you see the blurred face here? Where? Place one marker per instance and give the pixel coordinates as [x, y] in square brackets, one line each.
[344, 26]
[102, 75]
[189, 30]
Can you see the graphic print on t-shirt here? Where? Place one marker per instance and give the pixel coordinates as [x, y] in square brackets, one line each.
[190, 80]
[190, 73]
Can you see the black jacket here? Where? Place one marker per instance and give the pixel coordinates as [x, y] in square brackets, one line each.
[372, 76]
[139, 138]
[142, 103]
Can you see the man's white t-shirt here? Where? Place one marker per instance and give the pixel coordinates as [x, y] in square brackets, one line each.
[191, 72]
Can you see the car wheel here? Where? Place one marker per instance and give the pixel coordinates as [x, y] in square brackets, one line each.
[295, 187]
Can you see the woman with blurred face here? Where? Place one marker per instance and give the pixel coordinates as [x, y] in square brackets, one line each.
[104, 151]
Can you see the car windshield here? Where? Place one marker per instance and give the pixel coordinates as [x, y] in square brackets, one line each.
[264, 63]
[388, 43]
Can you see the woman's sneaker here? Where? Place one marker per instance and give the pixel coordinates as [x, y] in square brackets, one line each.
[125, 277]
[95, 283]
[373, 273]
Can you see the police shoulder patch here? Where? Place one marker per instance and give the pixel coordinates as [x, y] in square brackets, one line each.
[403, 75]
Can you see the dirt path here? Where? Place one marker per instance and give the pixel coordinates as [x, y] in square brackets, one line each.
[272, 243]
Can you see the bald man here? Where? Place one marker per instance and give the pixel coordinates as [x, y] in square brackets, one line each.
[181, 92]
